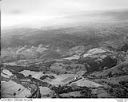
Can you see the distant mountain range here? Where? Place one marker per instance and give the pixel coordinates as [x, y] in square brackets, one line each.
[87, 29]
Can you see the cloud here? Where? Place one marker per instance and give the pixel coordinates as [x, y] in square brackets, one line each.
[59, 6]
[22, 11]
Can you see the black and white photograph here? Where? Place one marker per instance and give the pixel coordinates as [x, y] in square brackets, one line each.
[64, 49]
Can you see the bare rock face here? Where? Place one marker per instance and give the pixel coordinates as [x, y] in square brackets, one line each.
[95, 51]
[6, 73]
[74, 57]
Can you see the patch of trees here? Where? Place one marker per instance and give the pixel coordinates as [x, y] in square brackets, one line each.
[91, 64]
[46, 76]
[84, 91]
[120, 90]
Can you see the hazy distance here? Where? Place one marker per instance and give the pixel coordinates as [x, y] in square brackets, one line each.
[39, 13]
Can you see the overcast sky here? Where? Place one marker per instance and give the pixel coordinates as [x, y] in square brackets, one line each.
[24, 11]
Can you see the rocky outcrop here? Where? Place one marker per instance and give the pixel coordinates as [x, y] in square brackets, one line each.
[120, 69]
[98, 59]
